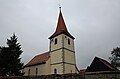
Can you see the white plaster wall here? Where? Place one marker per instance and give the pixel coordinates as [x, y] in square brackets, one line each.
[69, 57]
[43, 69]
[59, 68]
[59, 42]
[66, 45]
[56, 56]
[70, 68]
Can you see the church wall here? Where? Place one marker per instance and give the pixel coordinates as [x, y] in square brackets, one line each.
[56, 56]
[47, 67]
[62, 41]
[69, 57]
[70, 68]
[58, 67]
[59, 42]
[66, 45]
[43, 69]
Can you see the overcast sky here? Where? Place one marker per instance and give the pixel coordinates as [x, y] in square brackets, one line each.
[94, 23]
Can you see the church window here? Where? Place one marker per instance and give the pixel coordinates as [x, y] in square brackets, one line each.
[55, 40]
[65, 37]
[55, 71]
[29, 72]
[36, 71]
[68, 41]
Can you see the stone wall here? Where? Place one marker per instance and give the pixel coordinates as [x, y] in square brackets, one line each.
[54, 76]
[102, 75]
[87, 75]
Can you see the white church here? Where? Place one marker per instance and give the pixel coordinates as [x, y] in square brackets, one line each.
[60, 59]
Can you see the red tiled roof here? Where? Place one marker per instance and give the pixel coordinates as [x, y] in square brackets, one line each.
[82, 70]
[61, 27]
[39, 59]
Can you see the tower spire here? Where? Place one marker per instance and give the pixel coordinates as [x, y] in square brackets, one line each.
[61, 27]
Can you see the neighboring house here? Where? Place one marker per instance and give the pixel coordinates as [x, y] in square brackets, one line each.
[99, 64]
[60, 59]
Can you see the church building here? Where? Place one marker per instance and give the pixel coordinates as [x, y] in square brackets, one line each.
[60, 59]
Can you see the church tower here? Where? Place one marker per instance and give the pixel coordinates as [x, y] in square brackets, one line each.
[62, 52]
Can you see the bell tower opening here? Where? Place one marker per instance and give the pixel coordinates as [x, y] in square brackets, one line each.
[68, 41]
[55, 40]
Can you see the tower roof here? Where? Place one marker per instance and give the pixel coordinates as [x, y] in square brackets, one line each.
[61, 27]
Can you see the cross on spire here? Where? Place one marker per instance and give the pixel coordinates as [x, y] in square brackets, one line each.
[60, 7]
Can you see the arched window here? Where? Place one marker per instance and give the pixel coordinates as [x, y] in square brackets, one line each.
[68, 41]
[55, 40]
[36, 71]
[55, 71]
[29, 72]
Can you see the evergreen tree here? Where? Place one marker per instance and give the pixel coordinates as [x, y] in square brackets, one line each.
[115, 58]
[4, 60]
[10, 63]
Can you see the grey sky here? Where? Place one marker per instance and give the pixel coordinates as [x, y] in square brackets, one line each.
[94, 23]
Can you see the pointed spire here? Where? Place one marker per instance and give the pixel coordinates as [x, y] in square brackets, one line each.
[61, 27]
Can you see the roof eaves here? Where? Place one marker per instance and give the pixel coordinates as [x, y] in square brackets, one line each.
[35, 64]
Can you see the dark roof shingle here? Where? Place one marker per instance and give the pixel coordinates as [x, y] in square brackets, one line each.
[99, 64]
